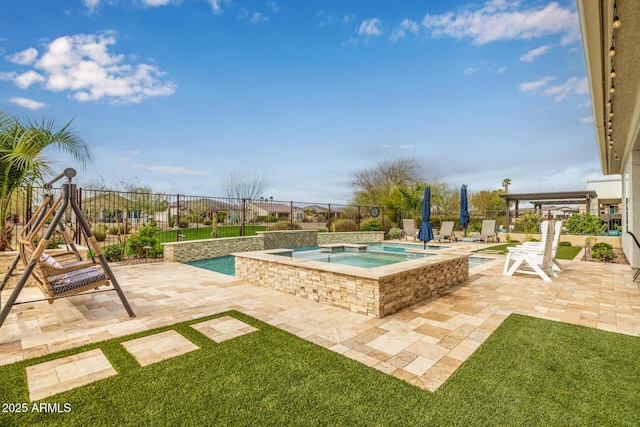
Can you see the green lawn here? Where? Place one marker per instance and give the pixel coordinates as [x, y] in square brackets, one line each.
[529, 372]
[205, 232]
[564, 252]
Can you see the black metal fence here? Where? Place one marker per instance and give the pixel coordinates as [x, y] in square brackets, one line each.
[115, 215]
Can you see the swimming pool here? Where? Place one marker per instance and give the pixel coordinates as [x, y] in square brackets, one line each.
[402, 247]
[226, 264]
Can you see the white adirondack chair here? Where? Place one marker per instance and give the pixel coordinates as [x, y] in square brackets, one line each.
[533, 260]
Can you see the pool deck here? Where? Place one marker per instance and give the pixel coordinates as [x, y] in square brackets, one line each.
[423, 344]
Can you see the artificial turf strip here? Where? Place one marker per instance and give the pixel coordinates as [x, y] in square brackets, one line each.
[205, 232]
[529, 372]
[568, 252]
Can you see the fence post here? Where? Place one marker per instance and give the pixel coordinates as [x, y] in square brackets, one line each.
[382, 213]
[358, 218]
[244, 215]
[329, 219]
[77, 226]
[177, 223]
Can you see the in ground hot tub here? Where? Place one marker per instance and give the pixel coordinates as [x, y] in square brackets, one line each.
[375, 291]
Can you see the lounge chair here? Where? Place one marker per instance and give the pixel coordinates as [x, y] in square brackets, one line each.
[409, 229]
[445, 232]
[557, 230]
[488, 230]
[531, 259]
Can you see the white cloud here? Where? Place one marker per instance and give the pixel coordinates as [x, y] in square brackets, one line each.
[584, 105]
[91, 4]
[401, 31]
[501, 70]
[534, 85]
[587, 119]
[216, 5]
[326, 19]
[470, 70]
[501, 20]
[533, 53]
[25, 80]
[156, 3]
[176, 170]
[258, 17]
[82, 65]
[7, 75]
[406, 146]
[273, 6]
[27, 103]
[572, 86]
[370, 27]
[26, 57]
[134, 152]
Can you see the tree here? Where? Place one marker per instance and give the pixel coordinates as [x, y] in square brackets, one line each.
[244, 185]
[22, 144]
[506, 183]
[241, 186]
[372, 185]
[487, 200]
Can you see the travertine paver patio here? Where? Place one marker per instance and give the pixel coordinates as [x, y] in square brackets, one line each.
[223, 328]
[56, 376]
[423, 344]
[158, 347]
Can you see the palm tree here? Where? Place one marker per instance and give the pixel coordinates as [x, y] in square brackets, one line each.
[411, 199]
[21, 157]
[505, 183]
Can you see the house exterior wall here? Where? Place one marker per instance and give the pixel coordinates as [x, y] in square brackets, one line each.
[631, 207]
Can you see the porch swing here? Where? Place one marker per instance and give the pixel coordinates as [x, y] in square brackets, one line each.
[64, 274]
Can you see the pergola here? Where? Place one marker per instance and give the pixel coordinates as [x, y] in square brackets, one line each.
[540, 199]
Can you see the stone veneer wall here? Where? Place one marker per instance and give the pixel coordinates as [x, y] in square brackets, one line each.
[350, 237]
[409, 287]
[366, 294]
[194, 250]
[289, 238]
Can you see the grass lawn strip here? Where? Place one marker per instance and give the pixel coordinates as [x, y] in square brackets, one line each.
[564, 252]
[529, 372]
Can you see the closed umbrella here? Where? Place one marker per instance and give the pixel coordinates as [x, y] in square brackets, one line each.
[464, 209]
[426, 232]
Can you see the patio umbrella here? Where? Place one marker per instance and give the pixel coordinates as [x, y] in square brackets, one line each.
[426, 232]
[464, 209]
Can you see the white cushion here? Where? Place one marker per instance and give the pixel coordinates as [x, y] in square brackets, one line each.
[50, 260]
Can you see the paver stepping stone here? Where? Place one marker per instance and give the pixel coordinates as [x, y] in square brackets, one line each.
[223, 328]
[56, 376]
[158, 347]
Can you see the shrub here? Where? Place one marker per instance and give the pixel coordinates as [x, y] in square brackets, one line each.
[603, 251]
[285, 225]
[565, 243]
[528, 222]
[206, 221]
[112, 253]
[215, 233]
[395, 233]
[344, 225]
[99, 231]
[584, 223]
[146, 236]
[122, 228]
[371, 225]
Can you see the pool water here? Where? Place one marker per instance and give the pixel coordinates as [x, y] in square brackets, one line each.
[402, 247]
[224, 264]
[363, 259]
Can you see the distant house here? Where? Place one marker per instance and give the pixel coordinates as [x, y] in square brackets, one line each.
[323, 210]
[109, 207]
[203, 207]
[279, 211]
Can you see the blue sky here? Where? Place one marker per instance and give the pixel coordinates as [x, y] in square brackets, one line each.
[180, 93]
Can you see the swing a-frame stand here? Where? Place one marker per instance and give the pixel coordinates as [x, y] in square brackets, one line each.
[61, 275]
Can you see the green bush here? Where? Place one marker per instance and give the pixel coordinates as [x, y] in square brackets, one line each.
[206, 221]
[285, 225]
[146, 236]
[395, 233]
[565, 243]
[344, 225]
[99, 231]
[584, 223]
[603, 251]
[528, 222]
[112, 253]
[371, 225]
[122, 228]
